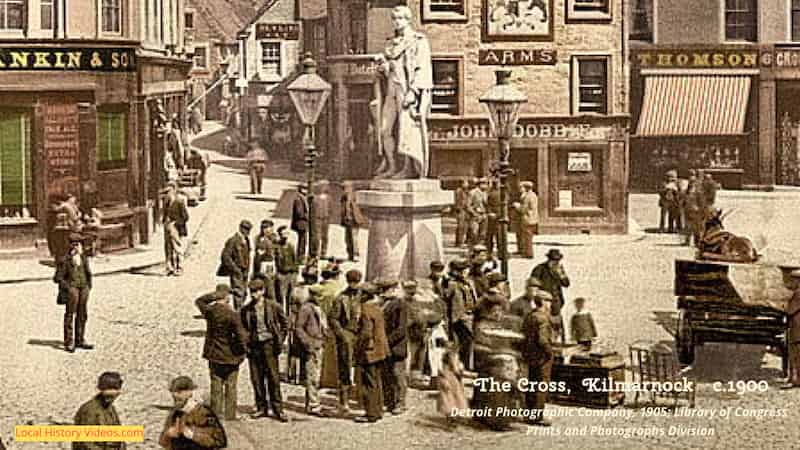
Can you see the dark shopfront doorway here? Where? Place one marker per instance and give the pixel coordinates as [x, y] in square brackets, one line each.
[787, 158]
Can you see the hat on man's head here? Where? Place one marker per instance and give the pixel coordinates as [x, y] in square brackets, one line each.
[533, 282]
[554, 254]
[369, 289]
[437, 266]
[384, 284]
[495, 277]
[543, 295]
[353, 276]
[331, 270]
[75, 237]
[527, 184]
[483, 180]
[222, 290]
[478, 248]
[795, 273]
[409, 284]
[267, 223]
[182, 383]
[493, 295]
[246, 225]
[109, 381]
[256, 285]
[282, 228]
[459, 264]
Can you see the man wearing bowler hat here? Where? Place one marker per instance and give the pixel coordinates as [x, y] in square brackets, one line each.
[191, 425]
[235, 262]
[553, 278]
[100, 411]
[74, 278]
[300, 221]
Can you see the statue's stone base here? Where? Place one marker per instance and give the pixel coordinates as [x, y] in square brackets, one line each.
[405, 231]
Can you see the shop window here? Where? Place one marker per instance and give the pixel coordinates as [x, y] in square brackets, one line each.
[741, 20]
[200, 57]
[111, 141]
[358, 28]
[578, 10]
[16, 184]
[447, 89]
[188, 20]
[795, 20]
[46, 14]
[271, 59]
[590, 81]
[642, 20]
[12, 13]
[444, 10]
[112, 16]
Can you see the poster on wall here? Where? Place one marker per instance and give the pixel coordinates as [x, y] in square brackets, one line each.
[579, 162]
[517, 20]
[62, 149]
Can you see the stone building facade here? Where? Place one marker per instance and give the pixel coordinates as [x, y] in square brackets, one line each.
[570, 59]
[79, 80]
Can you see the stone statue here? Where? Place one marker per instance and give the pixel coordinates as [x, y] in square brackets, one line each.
[405, 105]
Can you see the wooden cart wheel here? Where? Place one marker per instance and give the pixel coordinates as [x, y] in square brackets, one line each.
[684, 341]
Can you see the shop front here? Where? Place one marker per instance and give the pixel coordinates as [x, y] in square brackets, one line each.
[697, 108]
[780, 77]
[67, 127]
[577, 164]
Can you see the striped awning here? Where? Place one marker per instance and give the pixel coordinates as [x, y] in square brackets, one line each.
[703, 105]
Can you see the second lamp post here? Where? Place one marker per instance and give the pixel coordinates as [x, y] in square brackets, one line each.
[503, 102]
[309, 93]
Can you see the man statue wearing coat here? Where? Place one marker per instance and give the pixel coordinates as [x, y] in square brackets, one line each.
[407, 68]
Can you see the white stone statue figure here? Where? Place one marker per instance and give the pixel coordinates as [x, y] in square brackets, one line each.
[407, 69]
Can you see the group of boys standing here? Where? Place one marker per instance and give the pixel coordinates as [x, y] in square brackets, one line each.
[686, 204]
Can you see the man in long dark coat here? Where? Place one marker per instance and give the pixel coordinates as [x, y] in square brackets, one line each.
[553, 278]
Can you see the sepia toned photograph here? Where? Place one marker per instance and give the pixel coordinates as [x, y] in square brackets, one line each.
[430, 224]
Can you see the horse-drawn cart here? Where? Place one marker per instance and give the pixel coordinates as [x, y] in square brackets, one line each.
[730, 302]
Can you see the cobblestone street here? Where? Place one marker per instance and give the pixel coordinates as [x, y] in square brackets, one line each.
[145, 326]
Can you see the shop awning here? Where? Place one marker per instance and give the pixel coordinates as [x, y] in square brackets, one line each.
[707, 105]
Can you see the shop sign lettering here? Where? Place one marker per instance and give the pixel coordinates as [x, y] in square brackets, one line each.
[468, 131]
[285, 31]
[517, 57]
[90, 59]
[692, 59]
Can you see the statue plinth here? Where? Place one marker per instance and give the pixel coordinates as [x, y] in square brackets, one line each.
[405, 231]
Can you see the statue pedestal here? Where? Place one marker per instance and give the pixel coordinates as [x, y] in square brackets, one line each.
[405, 231]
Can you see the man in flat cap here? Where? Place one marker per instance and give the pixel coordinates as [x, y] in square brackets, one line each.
[100, 411]
[264, 258]
[494, 302]
[286, 267]
[526, 303]
[191, 425]
[311, 330]
[352, 220]
[175, 217]
[344, 317]
[74, 279]
[321, 222]
[235, 262]
[224, 348]
[266, 325]
[477, 211]
[461, 197]
[528, 209]
[371, 350]
[538, 352]
[461, 300]
[331, 286]
[480, 267]
[553, 278]
[668, 203]
[793, 333]
[396, 320]
[436, 278]
[299, 223]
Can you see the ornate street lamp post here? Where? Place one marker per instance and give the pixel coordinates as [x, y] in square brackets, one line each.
[309, 93]
[503, 102]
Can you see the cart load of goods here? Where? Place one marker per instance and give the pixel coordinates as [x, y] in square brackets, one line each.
[734, 286]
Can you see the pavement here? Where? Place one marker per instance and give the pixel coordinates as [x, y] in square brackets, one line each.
[145, 326]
